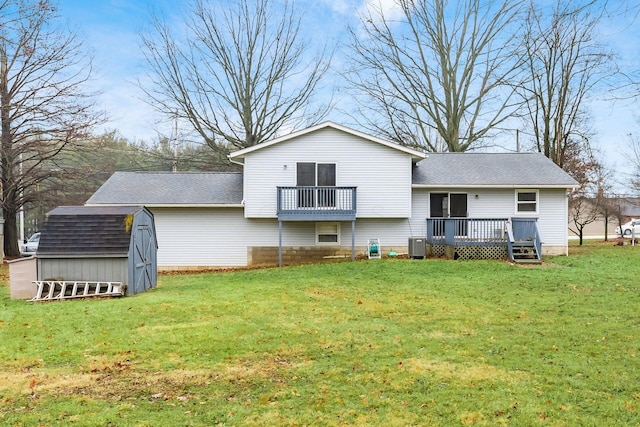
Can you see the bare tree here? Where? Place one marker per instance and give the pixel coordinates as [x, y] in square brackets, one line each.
[440, 72]
[241, 74]
[611, 207]
[565, 63]
[583, 211]
[586, 202]
[44, 109]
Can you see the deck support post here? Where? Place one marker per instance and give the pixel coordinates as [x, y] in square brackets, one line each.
[279, 243]
[353, 240]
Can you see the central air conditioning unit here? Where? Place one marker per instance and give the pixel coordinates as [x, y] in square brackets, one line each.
[417, 247]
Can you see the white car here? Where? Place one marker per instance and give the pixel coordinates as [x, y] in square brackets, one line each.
[625, 229]
[30, 246]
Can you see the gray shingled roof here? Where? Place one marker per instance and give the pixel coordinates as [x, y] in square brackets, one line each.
[87, 230]
[170, 188]
[483, 169]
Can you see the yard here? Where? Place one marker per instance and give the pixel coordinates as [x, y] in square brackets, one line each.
[382, 342]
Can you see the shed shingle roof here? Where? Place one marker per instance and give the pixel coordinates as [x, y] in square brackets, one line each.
[490, 169]
[169, 188]
[87, 230]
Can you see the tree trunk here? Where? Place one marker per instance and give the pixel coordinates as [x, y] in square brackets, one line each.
[10, 234]
[8, 195]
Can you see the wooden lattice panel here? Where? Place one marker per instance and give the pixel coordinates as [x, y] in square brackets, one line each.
[481, 252]
[470, 252]
[435, 250]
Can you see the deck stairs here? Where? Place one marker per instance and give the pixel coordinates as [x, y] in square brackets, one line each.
[51, 290]
[525, 252]
[523, 242]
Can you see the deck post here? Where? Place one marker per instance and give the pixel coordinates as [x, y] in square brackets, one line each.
[279, 243]
[353, 240]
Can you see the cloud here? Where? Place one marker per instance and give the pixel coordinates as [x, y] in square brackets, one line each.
[340, 6]
[376, 8]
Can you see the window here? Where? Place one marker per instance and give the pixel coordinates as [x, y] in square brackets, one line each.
[327, 233]
[526, 201]
[316, 175]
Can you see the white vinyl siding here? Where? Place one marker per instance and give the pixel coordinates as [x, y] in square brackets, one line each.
[201, 237]
[552, 217]
[501, 203]
[221, 237]
[381, 174]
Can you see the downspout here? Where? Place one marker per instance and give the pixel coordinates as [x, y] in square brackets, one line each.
[235, 161]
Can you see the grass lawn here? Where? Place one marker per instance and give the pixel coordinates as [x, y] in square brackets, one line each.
[382, 342]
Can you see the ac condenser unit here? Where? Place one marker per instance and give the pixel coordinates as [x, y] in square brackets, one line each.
[417, 247]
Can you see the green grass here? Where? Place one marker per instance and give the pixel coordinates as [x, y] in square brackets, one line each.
[382, 342]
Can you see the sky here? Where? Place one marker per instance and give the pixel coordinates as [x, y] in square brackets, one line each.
[111, 31]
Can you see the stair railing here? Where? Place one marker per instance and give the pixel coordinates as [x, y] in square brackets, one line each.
[510, 239]
[526, 229]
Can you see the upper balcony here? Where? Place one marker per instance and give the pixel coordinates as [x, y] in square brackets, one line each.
[328, 203]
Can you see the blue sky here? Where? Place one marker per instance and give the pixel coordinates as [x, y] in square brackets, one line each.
[111, 29]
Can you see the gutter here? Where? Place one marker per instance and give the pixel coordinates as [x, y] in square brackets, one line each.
[502, 186]
[174, 205]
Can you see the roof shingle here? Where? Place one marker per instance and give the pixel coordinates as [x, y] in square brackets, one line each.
[490, 169]
[87, 230]
[170, 188]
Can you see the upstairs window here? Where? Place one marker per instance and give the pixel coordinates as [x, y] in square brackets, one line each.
[526, 201]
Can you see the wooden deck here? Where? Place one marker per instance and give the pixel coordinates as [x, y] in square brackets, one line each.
[519, 237]
[327, 203]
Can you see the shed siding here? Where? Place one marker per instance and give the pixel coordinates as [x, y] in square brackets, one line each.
[382, 192]
[86, 269]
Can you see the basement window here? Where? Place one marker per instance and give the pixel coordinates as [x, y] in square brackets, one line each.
[327, 233]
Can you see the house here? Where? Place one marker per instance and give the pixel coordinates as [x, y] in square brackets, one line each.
[326, 190]
[588, 211]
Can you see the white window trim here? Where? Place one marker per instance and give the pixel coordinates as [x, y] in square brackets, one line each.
[320, 224]
[517, 204]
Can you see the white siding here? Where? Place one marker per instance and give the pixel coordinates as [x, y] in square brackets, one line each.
[381, 174]
[221, 236]
[200, 237]
[553, 217]
[419, 213]
[500, 203]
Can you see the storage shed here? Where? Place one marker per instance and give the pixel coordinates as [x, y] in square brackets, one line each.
[101, 244]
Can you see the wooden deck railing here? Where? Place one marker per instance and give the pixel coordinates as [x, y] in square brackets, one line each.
[482, 231]
[316, 203]
[466, 231]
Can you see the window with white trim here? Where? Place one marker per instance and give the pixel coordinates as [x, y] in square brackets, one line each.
[527, 201]
[327, 233]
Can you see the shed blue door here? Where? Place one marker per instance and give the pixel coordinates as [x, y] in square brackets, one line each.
[143, 259]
